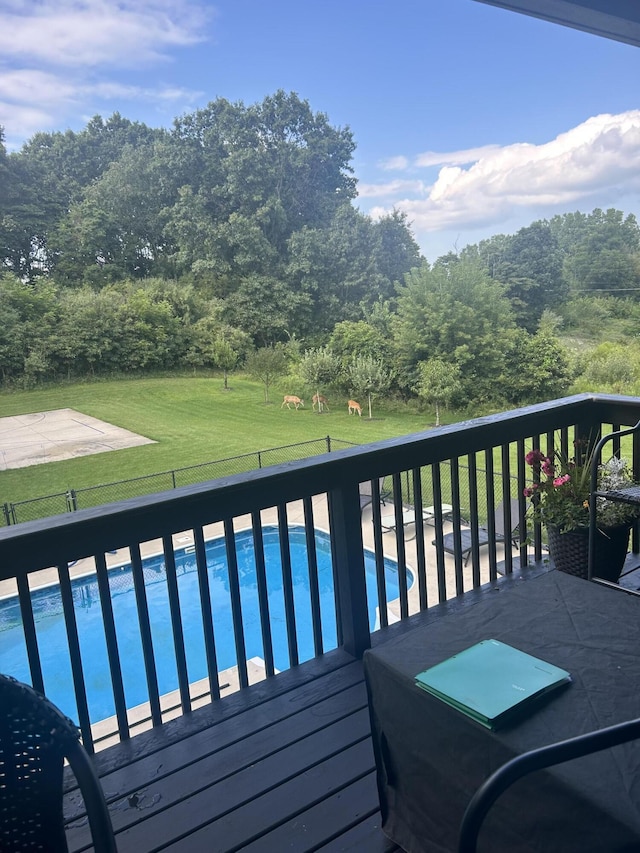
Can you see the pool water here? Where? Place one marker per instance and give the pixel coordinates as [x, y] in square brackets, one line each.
[52, 636]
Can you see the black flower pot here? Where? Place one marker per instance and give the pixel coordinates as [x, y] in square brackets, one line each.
[570, 551]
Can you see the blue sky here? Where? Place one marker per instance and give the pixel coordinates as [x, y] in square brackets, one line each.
[472, 119]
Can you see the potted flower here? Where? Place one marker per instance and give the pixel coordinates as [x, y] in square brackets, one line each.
[560, 494]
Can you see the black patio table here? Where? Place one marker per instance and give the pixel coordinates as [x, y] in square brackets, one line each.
[431, 758]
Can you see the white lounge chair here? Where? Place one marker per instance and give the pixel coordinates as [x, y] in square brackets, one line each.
[388, 522]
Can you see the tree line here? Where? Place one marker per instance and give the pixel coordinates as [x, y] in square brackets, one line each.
[233, 236]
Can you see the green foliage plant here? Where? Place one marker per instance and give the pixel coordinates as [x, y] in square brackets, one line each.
[560, 491]
[457, 313]
[610, 368]
[267, 364]
[319, 368]
[367, 375]
[438, 383]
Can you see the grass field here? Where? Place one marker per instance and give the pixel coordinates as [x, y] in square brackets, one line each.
[192, 419]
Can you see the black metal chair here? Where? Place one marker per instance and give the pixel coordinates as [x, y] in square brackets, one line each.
[500, 535]
[366, 493]
[536, 759]
[35, 740]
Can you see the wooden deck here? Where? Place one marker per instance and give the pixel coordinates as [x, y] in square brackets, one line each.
[285, 765]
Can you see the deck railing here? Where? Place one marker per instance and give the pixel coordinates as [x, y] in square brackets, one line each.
[472, 467]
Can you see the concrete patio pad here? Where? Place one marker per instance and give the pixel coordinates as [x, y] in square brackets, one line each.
[40, 437]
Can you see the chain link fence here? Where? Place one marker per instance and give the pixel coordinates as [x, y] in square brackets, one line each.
[75, 499]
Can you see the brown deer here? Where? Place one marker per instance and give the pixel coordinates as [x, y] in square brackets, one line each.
[354, 407]
[319, 401]
[289, 398]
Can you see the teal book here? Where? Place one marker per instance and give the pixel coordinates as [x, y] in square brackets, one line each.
[491, 681]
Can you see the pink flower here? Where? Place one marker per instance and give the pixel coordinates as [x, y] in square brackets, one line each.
[534, 457]
[530, 490]
[547, 468]
[560, 481]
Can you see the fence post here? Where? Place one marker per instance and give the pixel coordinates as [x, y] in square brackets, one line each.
[72, 501]
[173, 478]
[328, 444]
[7, 513]
[259, 459]
[346, 534]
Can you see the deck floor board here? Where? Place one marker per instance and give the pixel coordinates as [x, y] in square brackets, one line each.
[240, 762]
[237, 793]
[262, 818]
[297, 833]
[276, 769]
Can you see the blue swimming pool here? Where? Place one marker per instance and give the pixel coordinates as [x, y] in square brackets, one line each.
[52, 637]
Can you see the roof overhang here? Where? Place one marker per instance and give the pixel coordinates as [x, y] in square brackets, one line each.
[613, 19]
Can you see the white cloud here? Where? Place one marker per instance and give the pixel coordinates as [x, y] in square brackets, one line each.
[59, 58]
[32, 101]
[455, 158]
[22, 121]
[599, 157]
[398, 163]
[31, 86]
[94, 32]
[109, 90]
[391, 189]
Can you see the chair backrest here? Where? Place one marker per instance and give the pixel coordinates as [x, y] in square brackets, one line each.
[528, 762]
[515, 520]
[35, 739]
[366, 492]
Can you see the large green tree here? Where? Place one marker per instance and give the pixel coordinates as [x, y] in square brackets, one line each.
[350, 339]
[607, 259]
[265, 309]
[396, 249]
[276, 163]
[47, 176]
[529, 264]
[117, 230]
[459, 314]
[536, 368]
[348, 266]
[531, 269]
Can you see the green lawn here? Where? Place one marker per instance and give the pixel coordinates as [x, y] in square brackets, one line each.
[192, 419]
